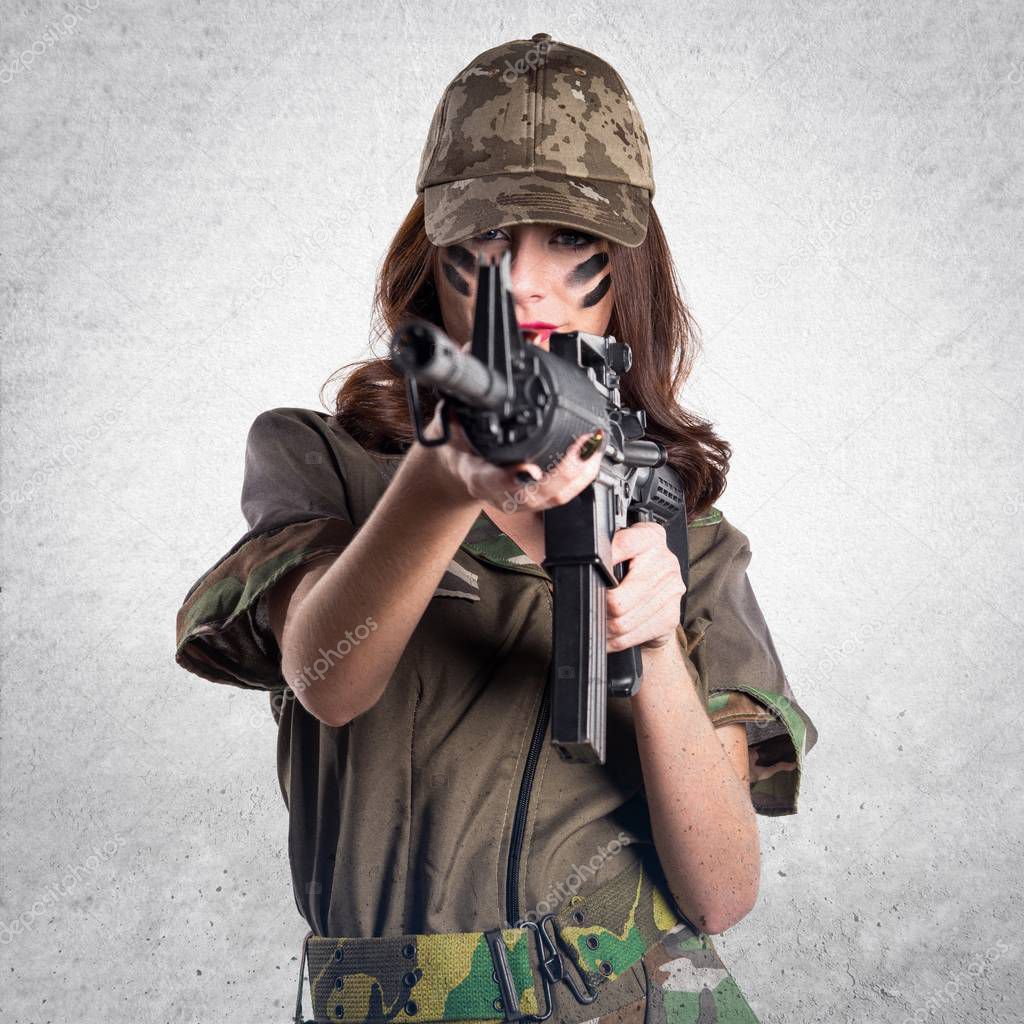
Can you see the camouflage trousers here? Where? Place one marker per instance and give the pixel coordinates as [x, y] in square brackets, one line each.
[686, 982]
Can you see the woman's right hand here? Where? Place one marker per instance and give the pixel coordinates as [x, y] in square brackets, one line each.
[499, 486]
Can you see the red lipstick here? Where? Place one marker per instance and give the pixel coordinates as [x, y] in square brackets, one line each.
[538, 330]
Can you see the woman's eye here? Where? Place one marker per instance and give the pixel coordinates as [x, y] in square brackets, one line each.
[565, 239]
[574, 239]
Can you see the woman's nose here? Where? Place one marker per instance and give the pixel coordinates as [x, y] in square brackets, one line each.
[530, 272]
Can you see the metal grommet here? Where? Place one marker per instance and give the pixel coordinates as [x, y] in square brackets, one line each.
[575, 900]
[338, 953]
[409, 979]
[498, 1005]
[410, 1007]
[592, 942]
[339, 1011]
[606, 968]
[339, 982]
[408, 951]
[577, 916]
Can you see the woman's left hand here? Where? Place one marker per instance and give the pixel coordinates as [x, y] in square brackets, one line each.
[644, 608]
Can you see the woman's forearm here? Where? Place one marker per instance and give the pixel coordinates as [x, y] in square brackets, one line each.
[388, 574]
[702, 820]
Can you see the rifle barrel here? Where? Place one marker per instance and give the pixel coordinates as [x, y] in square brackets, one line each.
[425, 351]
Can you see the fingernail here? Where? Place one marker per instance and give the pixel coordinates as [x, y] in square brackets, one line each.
[591, 444]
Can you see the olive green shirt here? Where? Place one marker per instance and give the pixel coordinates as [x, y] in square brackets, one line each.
[428, 812]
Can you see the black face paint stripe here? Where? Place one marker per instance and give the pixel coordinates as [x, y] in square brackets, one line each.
[588, 268]
[592, 298]
[462, 258]
[454, 278]
[465, 259]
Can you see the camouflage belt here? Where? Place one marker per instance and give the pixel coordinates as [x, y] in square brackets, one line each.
[488, 975]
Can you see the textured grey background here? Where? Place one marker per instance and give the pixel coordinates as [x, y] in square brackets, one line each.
[195, 200]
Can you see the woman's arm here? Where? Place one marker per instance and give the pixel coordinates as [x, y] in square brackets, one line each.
[697, 784]
[388, 571]
[392, 566]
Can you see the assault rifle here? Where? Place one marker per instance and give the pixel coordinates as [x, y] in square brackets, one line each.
[518, 403]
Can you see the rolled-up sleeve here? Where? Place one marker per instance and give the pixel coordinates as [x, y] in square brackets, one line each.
[741, 676]
[295, 503]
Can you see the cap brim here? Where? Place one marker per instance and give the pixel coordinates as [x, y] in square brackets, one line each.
[455, 210]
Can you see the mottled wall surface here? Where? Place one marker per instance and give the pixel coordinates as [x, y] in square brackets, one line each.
[195, 200]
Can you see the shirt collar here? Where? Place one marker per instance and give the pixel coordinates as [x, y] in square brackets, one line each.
[489, 543]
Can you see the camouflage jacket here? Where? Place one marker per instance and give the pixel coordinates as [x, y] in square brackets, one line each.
[444, 808]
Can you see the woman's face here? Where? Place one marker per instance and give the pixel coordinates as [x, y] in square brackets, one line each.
[560, 277]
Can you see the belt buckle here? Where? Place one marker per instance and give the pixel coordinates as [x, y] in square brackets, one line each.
[503, 976]
[552, 965]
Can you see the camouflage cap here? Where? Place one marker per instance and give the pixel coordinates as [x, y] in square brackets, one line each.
[535, 130]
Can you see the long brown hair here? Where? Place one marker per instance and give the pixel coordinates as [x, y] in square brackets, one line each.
[648, 313]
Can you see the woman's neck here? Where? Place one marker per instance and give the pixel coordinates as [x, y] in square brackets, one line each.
[525, 527]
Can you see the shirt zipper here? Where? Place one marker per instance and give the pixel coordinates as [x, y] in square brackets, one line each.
[523, 807]
[496, 550]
